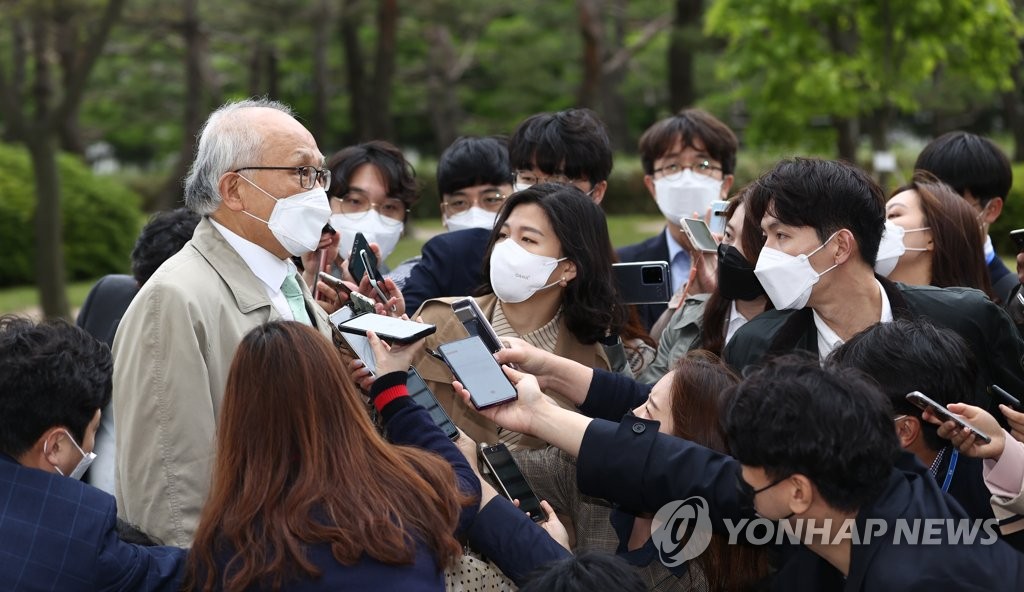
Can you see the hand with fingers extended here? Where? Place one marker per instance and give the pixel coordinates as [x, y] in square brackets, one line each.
[1016, 421]
[393, 358]
[553, 526]
[966, 441]
[393, 303]
[525, 357]
[515, 415]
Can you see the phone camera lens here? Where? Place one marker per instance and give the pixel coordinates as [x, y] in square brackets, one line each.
[651, 274]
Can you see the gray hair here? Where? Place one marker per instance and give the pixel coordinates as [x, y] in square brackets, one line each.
[226, 142]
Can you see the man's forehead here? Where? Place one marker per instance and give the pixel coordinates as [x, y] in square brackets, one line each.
[679, 147]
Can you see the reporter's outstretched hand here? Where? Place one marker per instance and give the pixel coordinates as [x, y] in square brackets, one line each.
[966, 441]
[515, 415]
[1016, 421]
[392, 358]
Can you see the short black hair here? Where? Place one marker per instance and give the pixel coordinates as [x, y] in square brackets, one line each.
[968, 162]
[164, 235]
[51, 374]
[591, 302]
[904, 356]
[831, 425]
[473, 161]
[399, 176]
[587, 571]
[827, 195]
[689, 126]
[573, 143]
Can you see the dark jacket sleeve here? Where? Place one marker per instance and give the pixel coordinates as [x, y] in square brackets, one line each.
[124, 566]
[632, 464]
[509, 538]
[611, 395]
[409, 424]
[450, 266]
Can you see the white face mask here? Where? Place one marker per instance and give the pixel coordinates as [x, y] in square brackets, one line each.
[787, 279]
[517, 274]
[474, 217]
[517, 187]
[297, 221]
[685, 194]
[892, 247]
[373, 227]
[83, 464]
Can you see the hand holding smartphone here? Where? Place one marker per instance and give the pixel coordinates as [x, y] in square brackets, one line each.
[473, 365]
[472, 318]
[925, 403]
[387, 328]
[700, 235]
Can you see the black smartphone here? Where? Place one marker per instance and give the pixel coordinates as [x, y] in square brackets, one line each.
[421, 393]
[923, 402]
[387, 328]
[473, 319]
[1017, 236]
[643, 282]
[1001, 396]
[362, 260]
[511, 481]
[474, 366]
[356, 301]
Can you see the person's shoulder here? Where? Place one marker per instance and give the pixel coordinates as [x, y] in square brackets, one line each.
[645, 249]
[59, 494]
[952, 299]
[460, 238]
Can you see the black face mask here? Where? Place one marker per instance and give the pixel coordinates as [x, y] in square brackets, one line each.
[736, 279]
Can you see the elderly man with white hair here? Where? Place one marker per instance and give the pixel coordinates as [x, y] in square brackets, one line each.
[258, 181]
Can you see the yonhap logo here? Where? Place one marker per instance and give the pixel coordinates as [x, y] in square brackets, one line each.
[681, 530]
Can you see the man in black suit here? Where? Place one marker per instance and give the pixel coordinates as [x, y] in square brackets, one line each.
[688, 161]
[980, 172]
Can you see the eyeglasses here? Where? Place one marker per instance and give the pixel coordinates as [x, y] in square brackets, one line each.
[528, 179]
[490, 201]
[672, 170]
[392, 211]
[309, 176]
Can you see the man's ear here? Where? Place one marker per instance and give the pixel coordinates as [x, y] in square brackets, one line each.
[54, 440]
[727, 182]
[598, 193]
[649, 184]
[847, 246]
[803, 494]
[228, 187]
[993, 209]
[908, 431]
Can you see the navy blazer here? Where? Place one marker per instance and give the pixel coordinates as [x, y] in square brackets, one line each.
[631, 463]
[509, 538]
[1003, 280]
[58, 533]
[105, 305]
[652, 249]
[452, 265]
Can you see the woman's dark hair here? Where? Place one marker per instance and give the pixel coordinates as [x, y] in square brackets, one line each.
[958, 254]
[51, 374]
[716, 311]
[399, 176]
[591, 302]
[299, 463]
[698, 383]
[585, 572]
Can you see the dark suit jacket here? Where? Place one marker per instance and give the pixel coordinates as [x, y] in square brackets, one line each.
[630, 463]
[652, 249]
[58, 533]
[506, 536]
[105, 305]
[985, 327]
[451, 266]
[1003, 280]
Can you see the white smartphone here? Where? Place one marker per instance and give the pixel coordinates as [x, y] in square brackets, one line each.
[718, 218]
[387, 328]
[923, 402]
[699, 235]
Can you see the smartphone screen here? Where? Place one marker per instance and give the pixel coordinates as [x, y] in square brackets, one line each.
[923, 402]
[387, 328]
[362, 259]
[421, 393]
[505, 470]
[475, 367]
[700, 235]
[472, 318]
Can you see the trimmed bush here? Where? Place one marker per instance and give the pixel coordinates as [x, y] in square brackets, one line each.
[101, 219]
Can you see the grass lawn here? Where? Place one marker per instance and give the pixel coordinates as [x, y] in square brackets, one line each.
[624, 230]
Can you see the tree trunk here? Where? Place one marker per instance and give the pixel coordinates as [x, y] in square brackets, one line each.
[592, 31]
[846, 138]
[318, 120]
[442, 102]
[170, 195]
[879, 131]
[384, 70]
[354, 72]
[49, 243]
[682, 50]
[613, 105]
[66, 42]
